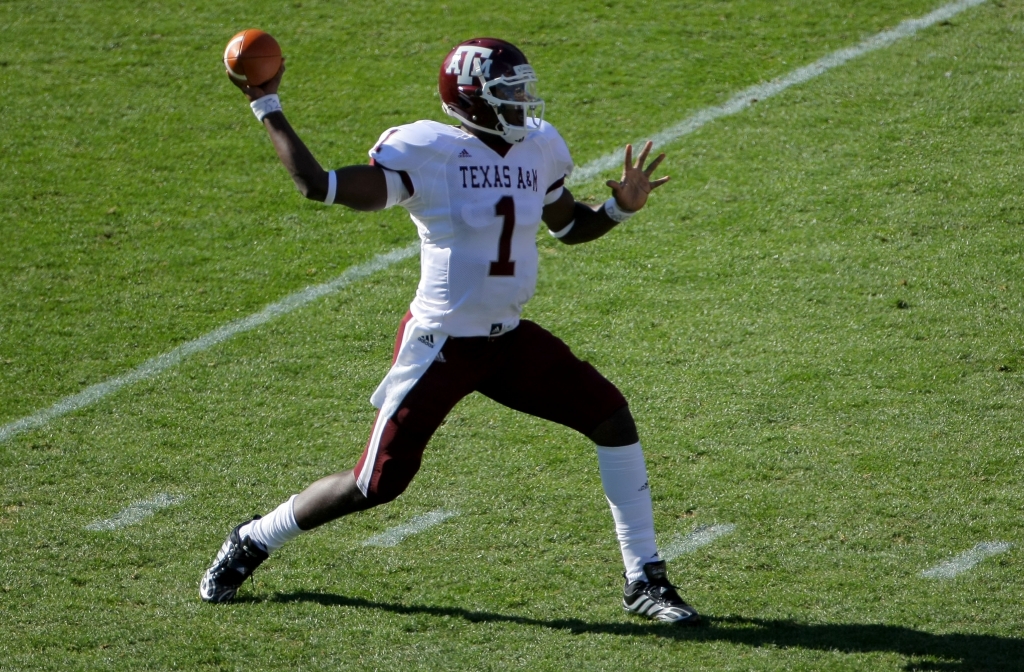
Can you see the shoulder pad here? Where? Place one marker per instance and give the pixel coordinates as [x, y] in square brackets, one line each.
[551, 140]
[410, 146]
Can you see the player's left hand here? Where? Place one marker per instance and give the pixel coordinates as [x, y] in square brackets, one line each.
[631, 191]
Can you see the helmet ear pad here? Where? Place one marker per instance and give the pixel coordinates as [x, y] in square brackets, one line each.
[479, 111]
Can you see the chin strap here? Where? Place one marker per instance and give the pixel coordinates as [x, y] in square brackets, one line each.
[451, 112]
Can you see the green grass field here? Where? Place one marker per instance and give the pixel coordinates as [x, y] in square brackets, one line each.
[819, 324]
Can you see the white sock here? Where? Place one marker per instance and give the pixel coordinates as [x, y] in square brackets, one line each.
[274, 529]
[624, 477]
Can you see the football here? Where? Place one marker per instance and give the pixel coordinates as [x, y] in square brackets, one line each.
[253, 57]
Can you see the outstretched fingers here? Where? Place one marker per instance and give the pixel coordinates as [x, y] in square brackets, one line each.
[640, 160]
[649, 171]
[654, 184]
[654, 165]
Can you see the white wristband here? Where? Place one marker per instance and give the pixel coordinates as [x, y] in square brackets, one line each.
[261, 107]
[617, 214]
[332, 187]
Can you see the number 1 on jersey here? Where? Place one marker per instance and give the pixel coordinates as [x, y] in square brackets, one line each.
[506, 209]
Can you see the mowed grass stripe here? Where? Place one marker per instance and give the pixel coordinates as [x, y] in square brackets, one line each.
[736, 104]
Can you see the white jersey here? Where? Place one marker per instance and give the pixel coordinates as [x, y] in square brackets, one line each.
[477, 215]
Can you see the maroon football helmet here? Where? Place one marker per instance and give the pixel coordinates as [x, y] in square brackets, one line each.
[488, 85]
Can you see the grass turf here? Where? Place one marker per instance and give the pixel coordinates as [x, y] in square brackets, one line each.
[817, 323]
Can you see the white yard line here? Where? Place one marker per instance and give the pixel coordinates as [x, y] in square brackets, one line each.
[161, 363]
[737, 103]
[136, 513]
[701, 536]
[966, 560]
[750, 95]
[418, 524]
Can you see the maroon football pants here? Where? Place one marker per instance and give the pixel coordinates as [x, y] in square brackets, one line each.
[527, 369]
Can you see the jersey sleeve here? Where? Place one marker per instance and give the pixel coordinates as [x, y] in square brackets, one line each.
[402, 150]
[561, 162]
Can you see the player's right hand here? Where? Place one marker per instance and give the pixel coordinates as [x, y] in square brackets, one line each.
[265, 89]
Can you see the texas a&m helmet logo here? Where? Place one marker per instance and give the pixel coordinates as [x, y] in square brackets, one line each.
[469, 61]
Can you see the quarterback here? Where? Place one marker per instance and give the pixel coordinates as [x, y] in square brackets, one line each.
[477, 193]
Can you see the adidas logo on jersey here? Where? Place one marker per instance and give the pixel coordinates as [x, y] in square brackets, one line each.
[465, 155]
[426, 339]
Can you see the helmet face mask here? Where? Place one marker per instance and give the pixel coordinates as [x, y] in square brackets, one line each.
[515, 102]
[488, 85]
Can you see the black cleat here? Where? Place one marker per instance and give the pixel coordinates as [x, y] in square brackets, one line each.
[235, 562]
[657, 599]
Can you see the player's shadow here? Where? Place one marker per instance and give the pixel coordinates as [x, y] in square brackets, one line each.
[948, 652]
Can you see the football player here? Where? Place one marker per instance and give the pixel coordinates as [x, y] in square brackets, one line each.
[477, 193]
